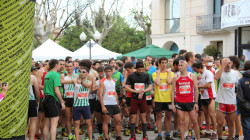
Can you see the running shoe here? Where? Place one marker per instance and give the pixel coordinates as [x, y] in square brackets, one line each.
[119, 138]
[158, 138]
[224, 133]
[126, 132]
[190, 133]
[137, 131]
[202, 134]
[71, 137]
[132, 139]
[37, 136]
[203, 127]
[188, 137]
[149, 126]
[213, 136]
[65, 134]
[207, 135]
[113, 134]
[156, 131]
[101, 137]
[144, 138]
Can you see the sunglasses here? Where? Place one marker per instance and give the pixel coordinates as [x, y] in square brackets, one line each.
[82, 71]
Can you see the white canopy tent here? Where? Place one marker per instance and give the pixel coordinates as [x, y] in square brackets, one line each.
[50, 50]
[97, 52]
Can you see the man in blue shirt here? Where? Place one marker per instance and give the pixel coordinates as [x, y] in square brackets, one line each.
[149, 58]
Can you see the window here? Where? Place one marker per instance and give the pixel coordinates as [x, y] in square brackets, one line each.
[245, 35]
[172, 15]
[217, 6]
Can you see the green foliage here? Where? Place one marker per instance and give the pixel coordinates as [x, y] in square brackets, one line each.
[121, 38]
[211, 50]
[70, 39]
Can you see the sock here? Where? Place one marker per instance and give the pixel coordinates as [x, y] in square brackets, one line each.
[237, 136]
[224, 129]
[126, 120]
[132, 129]
[167, 134]
[208, 132]
[159, 134]
[99, 125]
[144, 130]
[185, 134]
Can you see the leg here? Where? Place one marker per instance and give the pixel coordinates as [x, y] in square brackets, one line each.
[245, 121]
[53, 128]
[194, 120]
[118, 124]
[167, 121]
[220, 116]
[149, 109]
[207, 118]
[76, 128]
[89, 128]
[32, 127]
[105, 126]
[186, 121]
[144, 123]
[68, 113]
[46, 128]
[231, 120]
[99, 121]
[181, 116]
[159, 121]
[211, 111]
[175, 121]
[238, 124]
[132, 124]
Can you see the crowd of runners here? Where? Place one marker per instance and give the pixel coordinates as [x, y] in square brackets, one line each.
[198, 93]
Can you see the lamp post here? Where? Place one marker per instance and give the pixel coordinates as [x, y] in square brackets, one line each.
[83, 37]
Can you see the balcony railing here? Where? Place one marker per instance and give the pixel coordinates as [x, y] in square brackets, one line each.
[172, 25]
[208, 23]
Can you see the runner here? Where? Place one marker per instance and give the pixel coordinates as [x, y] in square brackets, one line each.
[109, 102]
[183, 84]
[207, 90]
[226, 97]
[68, 79]
[98, 107]
[135, 84]
[81, 103]
[40, 75]
[149, 59]
[162, 80]
[52, 100]
[34, 99]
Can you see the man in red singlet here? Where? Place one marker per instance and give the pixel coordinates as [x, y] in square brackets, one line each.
[183, 84]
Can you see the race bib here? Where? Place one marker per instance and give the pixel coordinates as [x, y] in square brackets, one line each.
[111, 93]
[139, 86]
[163, 87]
[202, 91]
[70, 94]
[185, 89]
[149, 97]
[82, 95]
[228, 85]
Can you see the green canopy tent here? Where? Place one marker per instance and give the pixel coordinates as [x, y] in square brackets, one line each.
[151, 50]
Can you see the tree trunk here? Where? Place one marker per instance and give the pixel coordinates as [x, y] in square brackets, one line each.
[148, 38]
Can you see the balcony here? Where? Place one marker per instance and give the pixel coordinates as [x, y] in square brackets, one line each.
[208, 24]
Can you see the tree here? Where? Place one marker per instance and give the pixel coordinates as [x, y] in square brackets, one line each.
[121, 38]
[46, 17]
[108, 19]
[144, 21]
[211, 50]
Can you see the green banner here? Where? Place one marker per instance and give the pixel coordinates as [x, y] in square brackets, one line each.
[16, 37]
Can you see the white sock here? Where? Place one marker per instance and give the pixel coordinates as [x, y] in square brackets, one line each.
[185, 134]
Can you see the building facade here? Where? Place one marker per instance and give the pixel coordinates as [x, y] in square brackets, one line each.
[191, 25]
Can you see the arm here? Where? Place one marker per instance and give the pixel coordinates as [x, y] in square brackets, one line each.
[169, 79]
[173, 90]
[59, 95]
[195, 88]
[100, 93]
[87, 85]
[218, 73]
[129, 89]
[207, 85]
[157, 79]
[39, 76]
[71, 81]
[37, 92]
[148, 89]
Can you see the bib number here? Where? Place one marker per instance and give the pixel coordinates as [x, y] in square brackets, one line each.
[70, 94]
[139, 86]
[149, 97]
[185, 89]
[82, 95]
[163, 87]
[228, 85]
[111, 94]
[202, 91]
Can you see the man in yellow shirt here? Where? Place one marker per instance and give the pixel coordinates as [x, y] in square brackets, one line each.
[162, 81]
